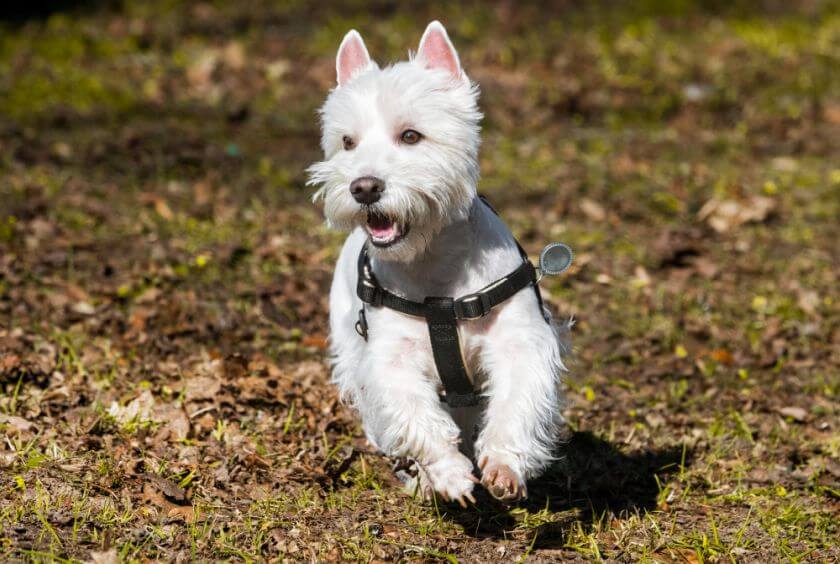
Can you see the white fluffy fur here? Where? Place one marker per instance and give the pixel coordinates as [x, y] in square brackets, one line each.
[455, 246]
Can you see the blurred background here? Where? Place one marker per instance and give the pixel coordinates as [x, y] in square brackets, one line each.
[163, 277]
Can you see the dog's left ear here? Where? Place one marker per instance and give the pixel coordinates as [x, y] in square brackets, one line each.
[436, 50]
[352, 58]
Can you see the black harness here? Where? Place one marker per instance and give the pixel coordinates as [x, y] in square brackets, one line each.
[442, 315]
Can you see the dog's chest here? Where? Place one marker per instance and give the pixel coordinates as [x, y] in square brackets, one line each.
[410, 343]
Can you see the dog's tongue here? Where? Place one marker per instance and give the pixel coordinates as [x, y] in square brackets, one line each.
[381, 227]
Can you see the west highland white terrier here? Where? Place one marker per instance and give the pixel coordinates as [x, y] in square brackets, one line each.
[399, 173]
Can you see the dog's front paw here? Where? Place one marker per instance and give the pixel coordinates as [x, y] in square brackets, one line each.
[502, 482]
[452, 478]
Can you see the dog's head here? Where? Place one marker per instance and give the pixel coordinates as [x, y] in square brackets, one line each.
[400, 145]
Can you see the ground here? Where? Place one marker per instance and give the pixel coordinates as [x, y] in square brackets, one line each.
[163, 279]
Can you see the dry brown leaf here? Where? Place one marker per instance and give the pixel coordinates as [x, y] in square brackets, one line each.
[15, 425]
[201, 388]
[139, 408]
[233, 55]
[832, 114]
[201, 68]
[175, 421]
[796, 413]
[83, 308]
[604, 278]
[725, 215]
[722, 356]
[592, 209]
[317, 341]
[9, 362]
[163, 209]
[169, 488]
[202, 193]
[705, 267]
[186, 513]
[105, 557]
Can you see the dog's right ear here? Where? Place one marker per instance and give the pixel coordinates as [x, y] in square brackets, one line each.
[352, 57]
[436, 50]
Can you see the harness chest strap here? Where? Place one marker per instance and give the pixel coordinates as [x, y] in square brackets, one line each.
[442, 315]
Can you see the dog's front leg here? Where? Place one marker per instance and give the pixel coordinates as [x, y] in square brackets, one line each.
[522, 363]
[402, 416]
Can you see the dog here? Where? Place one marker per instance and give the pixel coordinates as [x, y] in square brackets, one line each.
[400, 174]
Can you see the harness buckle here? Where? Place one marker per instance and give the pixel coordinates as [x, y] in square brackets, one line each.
[369, 292]
[473, 306]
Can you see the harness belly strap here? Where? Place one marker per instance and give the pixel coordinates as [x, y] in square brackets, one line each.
[446, 349]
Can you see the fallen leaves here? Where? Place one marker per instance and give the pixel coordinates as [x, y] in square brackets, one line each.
[798, 414]
[204, 381]
[105, 557]
[175, 423]
[722, 356]
[162, 494]
[163, 291]
[25, 356]
[167, 488]
[137, 410]
[725, 215]
[592, 209]
[205, 64]
[83, 308]
[185, 513]
[14, 425]
[158, 203]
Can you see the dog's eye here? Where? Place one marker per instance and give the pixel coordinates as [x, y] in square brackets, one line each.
[410, 137]
[349, 144]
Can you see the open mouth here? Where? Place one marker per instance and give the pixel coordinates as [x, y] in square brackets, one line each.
[383, 230]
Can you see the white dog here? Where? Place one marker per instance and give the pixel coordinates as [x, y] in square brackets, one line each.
[400, 172]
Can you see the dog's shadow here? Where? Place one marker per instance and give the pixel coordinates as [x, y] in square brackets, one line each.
[592, 479]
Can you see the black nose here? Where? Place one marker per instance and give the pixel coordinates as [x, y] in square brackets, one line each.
[367, 189]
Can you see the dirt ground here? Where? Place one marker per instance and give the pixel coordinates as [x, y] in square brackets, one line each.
[163, 276]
